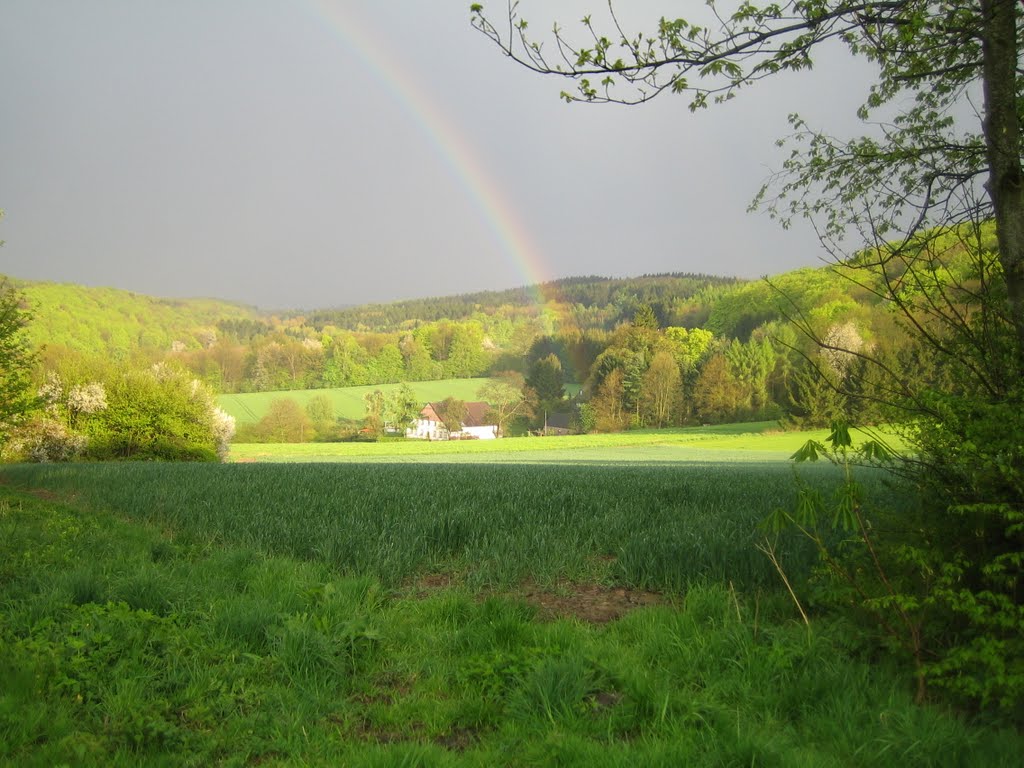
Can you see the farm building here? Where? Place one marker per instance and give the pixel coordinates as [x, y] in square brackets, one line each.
[558, 423]
[475, 424]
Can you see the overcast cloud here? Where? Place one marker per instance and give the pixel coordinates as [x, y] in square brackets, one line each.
[265, 151]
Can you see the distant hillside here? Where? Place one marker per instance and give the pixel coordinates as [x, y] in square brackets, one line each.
[651, 350]
[112, 322]
[615, 298]
[238, 349]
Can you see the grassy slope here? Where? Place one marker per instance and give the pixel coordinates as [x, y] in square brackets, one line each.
[127, 643]
[348, 401]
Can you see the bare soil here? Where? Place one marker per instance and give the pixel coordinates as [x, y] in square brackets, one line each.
[587, 602]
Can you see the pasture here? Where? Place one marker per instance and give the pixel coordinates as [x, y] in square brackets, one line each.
[451, 613]
[250, 407]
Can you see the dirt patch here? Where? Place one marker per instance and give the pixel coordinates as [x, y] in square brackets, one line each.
[458, 740]
[593, 603]
[435, 581]
[52, 497]
[589, 602]
[44, 495]
[367, 730]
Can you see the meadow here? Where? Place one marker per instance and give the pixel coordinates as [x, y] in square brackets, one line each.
[439, 614]
[757, 441]
[348, 403]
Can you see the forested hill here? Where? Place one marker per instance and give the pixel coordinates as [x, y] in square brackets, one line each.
[113, 322]
[607, 301]
[592, 325]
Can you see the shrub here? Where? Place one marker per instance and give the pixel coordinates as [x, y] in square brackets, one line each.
[44, 440]
[160, 413]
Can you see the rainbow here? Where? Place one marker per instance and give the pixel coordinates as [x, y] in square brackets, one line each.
[454, 149]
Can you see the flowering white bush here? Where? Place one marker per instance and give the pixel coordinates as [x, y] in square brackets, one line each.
[44, 440]
[841, 344]
[159, 413]
[162, 371]
[52, 393]
[87, 398]
[223, 430]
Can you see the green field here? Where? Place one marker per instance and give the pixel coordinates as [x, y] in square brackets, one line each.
[761, 441]
[348, 403]
[250, 407]
[493, 523]
[595, 613]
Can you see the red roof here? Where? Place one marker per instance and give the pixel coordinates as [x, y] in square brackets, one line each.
[429, 413]
[476, 414]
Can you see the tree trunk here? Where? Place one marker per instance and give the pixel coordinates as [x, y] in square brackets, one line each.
[1003, 142]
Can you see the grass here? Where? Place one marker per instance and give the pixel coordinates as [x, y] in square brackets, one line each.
[250, 407]
[654, 526]
[760, 441]
[131, 637]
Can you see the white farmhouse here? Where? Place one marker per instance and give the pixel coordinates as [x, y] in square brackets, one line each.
[429, 426]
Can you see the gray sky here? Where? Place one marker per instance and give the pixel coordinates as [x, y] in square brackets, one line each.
[314, 153]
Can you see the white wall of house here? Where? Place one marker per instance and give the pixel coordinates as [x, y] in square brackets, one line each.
[483, 433]
[427, 429]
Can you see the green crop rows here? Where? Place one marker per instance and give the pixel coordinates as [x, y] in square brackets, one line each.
[664, 526]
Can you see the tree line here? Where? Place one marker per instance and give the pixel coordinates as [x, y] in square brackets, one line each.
[699, 351]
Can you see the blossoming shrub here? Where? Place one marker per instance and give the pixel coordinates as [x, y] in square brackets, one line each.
[158, 413]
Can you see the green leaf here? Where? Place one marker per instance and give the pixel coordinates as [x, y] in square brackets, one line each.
[873, 450]
[808, 506]
[808, 451]
[848, 500]
[840, 435]
[777, 520]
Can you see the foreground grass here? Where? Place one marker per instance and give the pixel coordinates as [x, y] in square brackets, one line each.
[124, 643]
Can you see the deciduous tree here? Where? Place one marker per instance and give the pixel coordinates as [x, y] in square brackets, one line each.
[374, 418]
[717, 396]
[452, 412]
[929, 172]
[401, 407]
[609, 410]
[284, 422]
[320, 411]
[16, 361]
[505, 394]
[661, 388]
